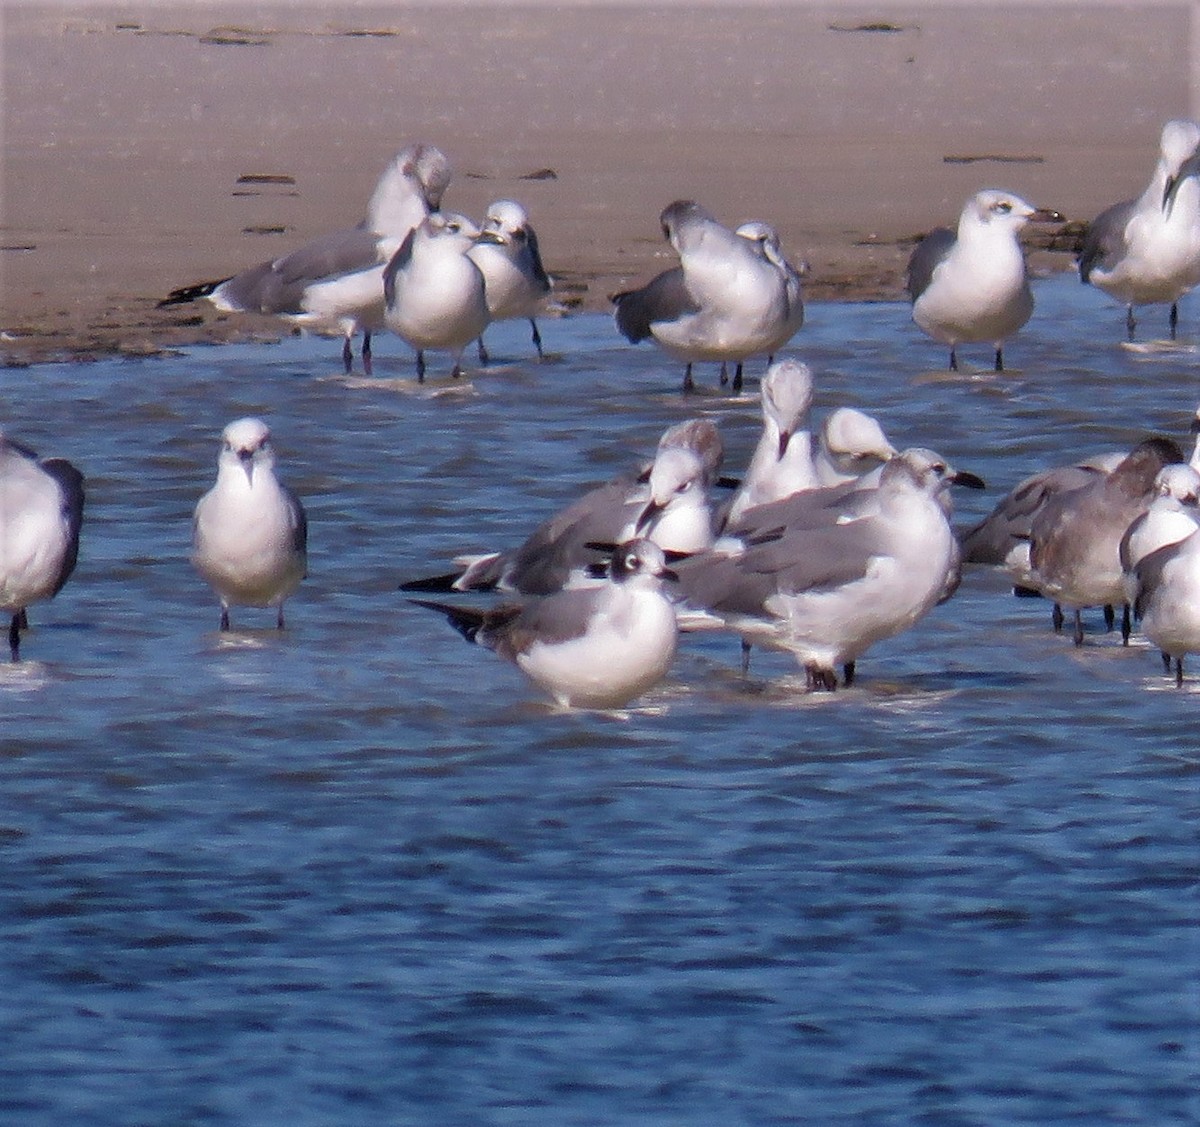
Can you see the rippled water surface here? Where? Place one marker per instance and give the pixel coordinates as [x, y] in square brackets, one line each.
[361, 873]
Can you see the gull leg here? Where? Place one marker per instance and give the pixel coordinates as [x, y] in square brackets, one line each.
[1173, 319]
[347, 355]
[14, 637]
[279, 619]
[848, 674]
[1110, 617]
[537, 339]
[1126, 625]
[745, 657]
[483, 352]
[1056, 619]
[420, 366]
[1078, 636]
[953, 360]
[724, 373]
[999, 360]
[1179, 672]
[224, 619]
[368, 366]
[1130, 324]
[688, 383]
[737, 378]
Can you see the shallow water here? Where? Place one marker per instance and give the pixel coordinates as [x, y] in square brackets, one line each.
[359, 872]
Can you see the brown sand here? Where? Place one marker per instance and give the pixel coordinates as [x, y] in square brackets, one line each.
[851, 127]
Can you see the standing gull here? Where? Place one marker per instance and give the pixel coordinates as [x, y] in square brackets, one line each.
[434, 291]
[250, 535]
[1168, 600]
[724, 302]
[1075, 536]
[973, 286]
[41, 511]
[827, 591]
[1147, 251]
[516, 282]
[587, 647]
[766, 238]
[334, 284]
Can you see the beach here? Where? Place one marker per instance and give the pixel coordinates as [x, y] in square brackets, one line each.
[150, 147]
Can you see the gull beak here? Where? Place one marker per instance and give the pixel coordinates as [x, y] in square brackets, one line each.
[1047, 215]
[1190, 167]
[970, 480]
[489, 237]
[785, 436]
[648, 516]
[246, 457]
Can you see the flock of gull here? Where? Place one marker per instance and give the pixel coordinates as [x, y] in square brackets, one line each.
[830, 541]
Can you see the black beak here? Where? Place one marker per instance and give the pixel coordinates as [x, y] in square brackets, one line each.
[970, 480]
[649, 513]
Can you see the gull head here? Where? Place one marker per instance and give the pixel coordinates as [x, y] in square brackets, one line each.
[787, 391]
[1004, 211]
[507, 221]
[246, 443]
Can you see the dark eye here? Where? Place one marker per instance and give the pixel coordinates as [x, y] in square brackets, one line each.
[632, 562]
[1004, 207]
[939, 468]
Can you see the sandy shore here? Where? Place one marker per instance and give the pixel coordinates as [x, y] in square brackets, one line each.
[852, 127]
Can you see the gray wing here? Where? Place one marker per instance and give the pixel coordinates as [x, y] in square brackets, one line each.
[279, 286]
[990, 541]
[398, 261]
[535, 261]
[70, 485]
[299, 520]
[1104, 242]
[665, 298]
[1149, 574]
[926, 257]
[553, 619]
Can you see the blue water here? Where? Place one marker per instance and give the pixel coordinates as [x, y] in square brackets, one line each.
[361, 873]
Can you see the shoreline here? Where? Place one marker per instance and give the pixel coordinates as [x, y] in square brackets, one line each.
[852, 135]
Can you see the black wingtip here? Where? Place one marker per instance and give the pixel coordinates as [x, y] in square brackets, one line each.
[194, 292]
[435, 584]
[466, 620]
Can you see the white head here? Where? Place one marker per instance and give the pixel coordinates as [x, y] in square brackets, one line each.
[854, 441]
[787, 391]
[766, 239]
[1179, 141]
[246, 444]
[702, 438]
[409, 189]
[993, 209]
[676, 478]
[508, 220]
[1179, 482]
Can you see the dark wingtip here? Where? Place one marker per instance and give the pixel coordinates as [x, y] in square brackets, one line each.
[432, 583]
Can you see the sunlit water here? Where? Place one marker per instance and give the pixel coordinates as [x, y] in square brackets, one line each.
[358, 872]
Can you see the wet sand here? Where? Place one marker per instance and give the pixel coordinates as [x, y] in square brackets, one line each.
[128, 133]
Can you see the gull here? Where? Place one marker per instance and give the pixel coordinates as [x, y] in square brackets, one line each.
[1168, 600]
[517, 284]
[1001, 539]
[587, 647]
[1173, 515]
[973, 285]
[829, 590]
[1075, 536]
[725, 301]
[850, 444]
[1146, 251]
[770, 246]
[250, 533]
[41, 511]
[782, 462]
[565, 544]
[334, 284]
[433, 290]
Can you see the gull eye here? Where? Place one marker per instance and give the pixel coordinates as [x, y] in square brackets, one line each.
[1004, 207]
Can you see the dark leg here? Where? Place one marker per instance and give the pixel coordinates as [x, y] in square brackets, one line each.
[420, 366]
[999, 359]
[1166, 659]
[368, 367]
[225, 619]
[724, 373]
[1110, 618]
[745, 657]
[1078, 638]
[1130, 324]
[1056, 618]
[1179, 672]
[347, 356]
[456, 371]
[688, 383]
[737, 378]
[953, 360]
[537, 339]
[1126, 625]
[279, 620]
[483, 352]
[1173, 319]
[14, 637]
[848, 674]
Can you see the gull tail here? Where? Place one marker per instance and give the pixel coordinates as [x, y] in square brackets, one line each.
[468, 621]
[194, 292]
